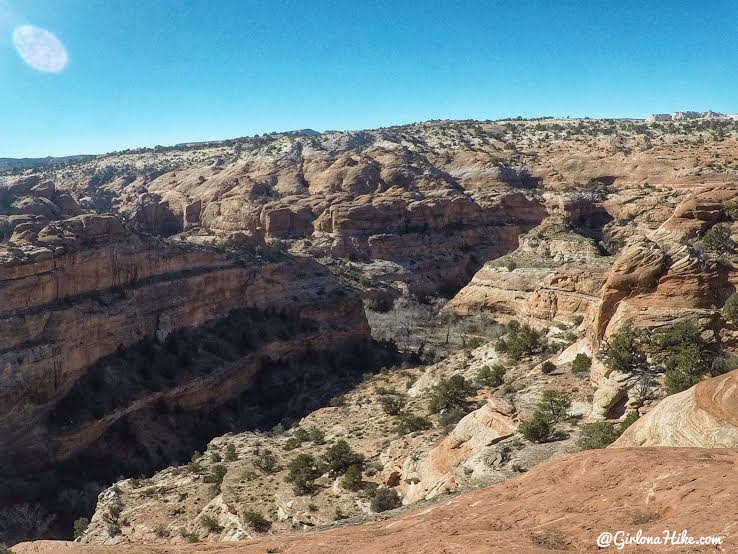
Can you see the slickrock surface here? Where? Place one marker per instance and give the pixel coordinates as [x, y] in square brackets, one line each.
[562, 505]
[704, 416]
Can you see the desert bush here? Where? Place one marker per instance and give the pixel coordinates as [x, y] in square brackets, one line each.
[451, 417]
[392, 404]
[683, 354]
[338, 401]
[581, 363]
[625, 351]
[554, 405]
[536, 428]
[449, 393]
[79, 526]
[303, 471]
[211, 524]
[216, 474]
[630, 418]
[730, 308]
[409, 423]
[339, 457]
[316, 436]
[256, 521]
[520, 340]
[597, 435]
[265, 461]
[352, 479]
[717, 240]
[548, 367]
[385, 499]
[491, 376]
[230, 453]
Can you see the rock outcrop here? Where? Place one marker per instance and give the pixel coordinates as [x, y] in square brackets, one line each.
[562, 505]
[704, 416]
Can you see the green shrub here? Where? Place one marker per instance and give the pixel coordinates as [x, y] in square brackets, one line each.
[256, 521]
[597, 435]
[316, 436]
[301, 435]
[554, 405]
[630, 418]
[491, 376]
[548, 367]
[352, 479]
[717, 240]
[392, 404]
[80, 526]
[338, 401]
[211, 524]
[303, 471]
[678, 381]
[683, 354]
[536, 429]
[339, 457]
[450, 393]
[625, 351]
[410, 423]
[581, 363]
[730, 308]
[266, 461]
[385, 499]
[216, 475]
[190, 537]
[231, 455]
[292, 443]
[521, 340]
[577, 319]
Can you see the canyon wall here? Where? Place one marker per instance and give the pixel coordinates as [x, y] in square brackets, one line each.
[89, 289]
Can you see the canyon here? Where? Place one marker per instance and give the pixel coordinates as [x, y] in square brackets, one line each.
[172, 305]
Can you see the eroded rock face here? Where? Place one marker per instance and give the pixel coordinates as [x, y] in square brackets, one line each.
[439, 470]
[555, 274]
[704, 416]
[88, 289]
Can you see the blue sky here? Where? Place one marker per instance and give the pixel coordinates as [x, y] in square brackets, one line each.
[147, 72]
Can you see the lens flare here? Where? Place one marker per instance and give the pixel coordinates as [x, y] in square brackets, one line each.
[40, 49]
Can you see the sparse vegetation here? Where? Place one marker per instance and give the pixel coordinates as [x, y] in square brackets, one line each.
[730, 308]
[303, 471]
[625, 350]
[410, 423]
[256, 521]
[80, 526]
[352, 478]
[385, 499]
[491, 376]
[536, 428]
[211, 524]
[548, 367]
[339, 457]
[581, 363]
[718, 241]
[520, 341]
[450, 393]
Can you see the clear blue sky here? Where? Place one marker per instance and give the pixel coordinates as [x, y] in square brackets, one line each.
[147, 72]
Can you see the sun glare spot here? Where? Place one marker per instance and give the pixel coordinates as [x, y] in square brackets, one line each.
[40, 49]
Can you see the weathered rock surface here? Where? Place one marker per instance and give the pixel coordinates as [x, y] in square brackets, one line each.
[89, 289]
[704, 416]
[562, 505]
